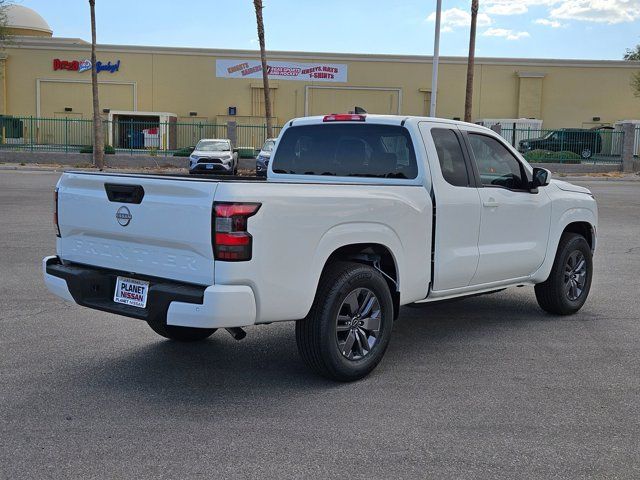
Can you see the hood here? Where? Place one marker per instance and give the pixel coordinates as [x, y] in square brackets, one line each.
[208, 154]
[570, 187]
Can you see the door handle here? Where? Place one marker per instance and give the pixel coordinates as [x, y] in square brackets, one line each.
[491, 203]
[124, 193]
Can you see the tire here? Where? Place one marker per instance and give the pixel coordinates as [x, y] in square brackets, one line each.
[566, 290]
[331, 339]
[180, 334]
[586, 153]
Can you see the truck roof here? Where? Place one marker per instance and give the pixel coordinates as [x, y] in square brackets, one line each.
[386, 119]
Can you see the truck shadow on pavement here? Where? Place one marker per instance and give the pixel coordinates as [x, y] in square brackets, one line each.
[266, 364]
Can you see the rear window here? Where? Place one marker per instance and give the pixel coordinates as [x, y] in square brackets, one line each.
[347, 150]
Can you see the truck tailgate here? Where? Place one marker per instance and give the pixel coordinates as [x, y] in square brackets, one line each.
[166, 234]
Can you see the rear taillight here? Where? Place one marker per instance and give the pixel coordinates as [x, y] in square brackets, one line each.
[231, 240]
[55, 212]
[344, 117]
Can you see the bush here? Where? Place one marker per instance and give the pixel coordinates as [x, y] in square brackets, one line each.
[542, 156]
[184, 152]
[108, 149]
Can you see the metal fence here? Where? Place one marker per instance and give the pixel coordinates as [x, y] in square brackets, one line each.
[567, 145]
[253, 136]
[122, 136]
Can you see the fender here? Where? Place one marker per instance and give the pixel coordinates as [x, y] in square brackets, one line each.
[357, 232]
[571, 215]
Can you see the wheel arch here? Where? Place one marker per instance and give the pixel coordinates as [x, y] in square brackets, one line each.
[363, 242]
[586, 229]
[377, 255]
[576, 220]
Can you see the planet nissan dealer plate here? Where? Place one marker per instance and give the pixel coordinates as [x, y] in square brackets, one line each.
[131, 292]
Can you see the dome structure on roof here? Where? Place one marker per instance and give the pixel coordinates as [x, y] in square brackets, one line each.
[25, 21]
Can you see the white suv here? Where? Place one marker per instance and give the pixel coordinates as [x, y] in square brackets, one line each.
[213, 155]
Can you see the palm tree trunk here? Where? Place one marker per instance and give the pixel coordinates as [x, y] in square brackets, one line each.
[468, 101]
[98, 134]
[265, 72]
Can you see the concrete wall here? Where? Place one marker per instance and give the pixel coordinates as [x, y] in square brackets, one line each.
[184, 80]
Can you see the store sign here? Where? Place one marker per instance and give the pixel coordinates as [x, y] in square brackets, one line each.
[84, 65]
[315, 72]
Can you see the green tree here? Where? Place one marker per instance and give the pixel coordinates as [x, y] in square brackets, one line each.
[4, 33]
[633, 55]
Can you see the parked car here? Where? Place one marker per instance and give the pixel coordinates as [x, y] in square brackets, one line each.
[262, 160]
[343, 232]
[213, 155]
[585, 143]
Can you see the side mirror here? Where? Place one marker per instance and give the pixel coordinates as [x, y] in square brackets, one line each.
[541, 177]
[236, 150]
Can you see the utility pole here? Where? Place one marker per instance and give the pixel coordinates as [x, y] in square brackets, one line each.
[436, 60]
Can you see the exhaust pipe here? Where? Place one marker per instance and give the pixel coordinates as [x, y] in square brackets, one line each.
[236, 332]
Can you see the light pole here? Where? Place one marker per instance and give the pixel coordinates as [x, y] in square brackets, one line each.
[436, 59]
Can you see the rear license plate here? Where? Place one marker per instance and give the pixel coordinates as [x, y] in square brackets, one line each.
[131, 292]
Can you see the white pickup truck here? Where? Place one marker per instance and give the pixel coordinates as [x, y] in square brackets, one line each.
[359, 215]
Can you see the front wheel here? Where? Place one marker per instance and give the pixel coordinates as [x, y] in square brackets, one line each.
[569, 282]
[180, 334]
[347, 331]
[586, 153]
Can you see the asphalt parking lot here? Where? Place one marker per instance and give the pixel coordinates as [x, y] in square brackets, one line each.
[488, 387]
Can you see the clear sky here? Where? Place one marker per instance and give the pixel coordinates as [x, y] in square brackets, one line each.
[593, 29]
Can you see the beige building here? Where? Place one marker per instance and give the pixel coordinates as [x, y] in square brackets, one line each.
[45, 76]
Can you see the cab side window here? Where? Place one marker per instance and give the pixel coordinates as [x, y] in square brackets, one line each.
[496, 165]
[450, 156]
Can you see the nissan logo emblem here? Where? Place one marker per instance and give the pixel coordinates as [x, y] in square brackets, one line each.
[123, 215]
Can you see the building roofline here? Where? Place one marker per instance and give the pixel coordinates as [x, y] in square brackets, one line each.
[60, 43]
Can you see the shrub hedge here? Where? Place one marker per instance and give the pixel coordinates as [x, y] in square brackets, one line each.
[541, 156]
[184, 152]
[108, 149]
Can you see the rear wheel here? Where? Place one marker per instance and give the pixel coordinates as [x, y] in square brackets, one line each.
[586, 153]
[568, 285]
[347, 331]
[180, 334]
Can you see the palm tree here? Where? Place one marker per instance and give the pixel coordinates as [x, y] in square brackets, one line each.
[468, 100]
[265, 73]
[98, 134]
[4, 34]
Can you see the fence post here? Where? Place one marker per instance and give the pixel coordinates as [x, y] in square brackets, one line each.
[628, 144]
[232, 133]
[497, 128]
[31, 131]
[66, 134]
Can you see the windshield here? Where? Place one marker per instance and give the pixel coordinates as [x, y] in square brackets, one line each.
[213, 146]
[347, 150]
[268, 146]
